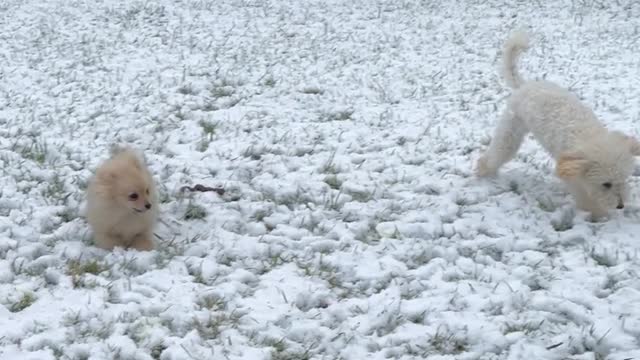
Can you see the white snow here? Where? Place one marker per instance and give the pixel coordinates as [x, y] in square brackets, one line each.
[344, 134]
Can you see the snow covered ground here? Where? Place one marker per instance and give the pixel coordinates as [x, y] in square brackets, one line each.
[344, 133]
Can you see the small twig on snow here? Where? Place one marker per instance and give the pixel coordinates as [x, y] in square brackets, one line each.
[202, 188]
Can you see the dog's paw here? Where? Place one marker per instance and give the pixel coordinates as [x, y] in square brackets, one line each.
[144, 245]
[142, 242]
[598, 216]
[483, 169]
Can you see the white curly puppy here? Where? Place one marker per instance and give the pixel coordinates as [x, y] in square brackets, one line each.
[593, 161]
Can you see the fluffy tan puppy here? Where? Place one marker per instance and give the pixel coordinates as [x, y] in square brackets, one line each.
[122, 202]
[593, 161]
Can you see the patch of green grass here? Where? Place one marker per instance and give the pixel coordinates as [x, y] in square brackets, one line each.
[369, 235]
[333, 181]
[77, 269]
[418, 317]
[362, 196]
[180, 114]
[524, 327]
[447, 343]
[340, 115]
[35, 151]
[24, 302]
[253, 152]
[208, 127]
[312, 90]
[261, 214]
[164, 197]
[515, 187]
[604, 258]
[565, 222]
[329, 167]
[212, 326]
[329, 273]
[68, 214]
[194, 212]
[203, 144]
[270, 81]
[55, 190]
[274, 259]
[417, 259]
[212, 302]
[210, 107]
[462, 201]
[333, 201]
[281, 351]
[157, 350]
[279, 346]
[208, 130]
[222, 91]
[186, 89]
[546, 204]
[310, 222]
[290, 355]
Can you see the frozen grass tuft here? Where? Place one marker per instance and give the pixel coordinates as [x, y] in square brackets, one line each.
[194, 211]
[27, 299]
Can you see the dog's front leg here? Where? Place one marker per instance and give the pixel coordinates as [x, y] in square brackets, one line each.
[143, 241]
[598, 214]
[107, 240]
[586, 202]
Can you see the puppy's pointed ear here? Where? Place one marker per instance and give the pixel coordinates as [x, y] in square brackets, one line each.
[135, 161]
[570, 165]
[633, 143]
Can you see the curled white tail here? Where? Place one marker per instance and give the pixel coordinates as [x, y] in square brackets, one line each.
[517, 43]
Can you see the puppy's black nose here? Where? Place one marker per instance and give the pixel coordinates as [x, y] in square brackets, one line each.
[620, 206]
[148, 205]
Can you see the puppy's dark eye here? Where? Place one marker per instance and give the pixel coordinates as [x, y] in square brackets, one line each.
[607, 185]
[133, 196]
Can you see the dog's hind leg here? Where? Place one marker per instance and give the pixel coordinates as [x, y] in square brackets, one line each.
[143, 241]
[504, 145]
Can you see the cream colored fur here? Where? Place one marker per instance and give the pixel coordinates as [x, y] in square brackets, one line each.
[116, 215]
[593, 161]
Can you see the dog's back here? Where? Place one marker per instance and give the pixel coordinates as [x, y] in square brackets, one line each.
[554, 115]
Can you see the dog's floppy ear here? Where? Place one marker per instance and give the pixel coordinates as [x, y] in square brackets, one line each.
[570, 165]
[633, 143]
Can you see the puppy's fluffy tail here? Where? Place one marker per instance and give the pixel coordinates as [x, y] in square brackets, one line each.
[517, 43]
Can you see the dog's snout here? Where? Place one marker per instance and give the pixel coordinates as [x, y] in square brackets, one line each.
[620, 206]
[147, 205]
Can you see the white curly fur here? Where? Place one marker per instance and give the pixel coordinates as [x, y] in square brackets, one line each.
[593, 161]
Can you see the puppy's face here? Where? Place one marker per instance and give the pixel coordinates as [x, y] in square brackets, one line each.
[602, 168]
[132, 191]
[125, 184]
